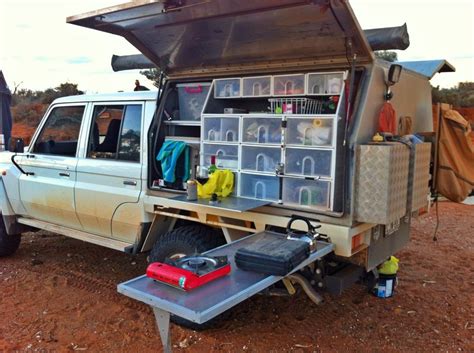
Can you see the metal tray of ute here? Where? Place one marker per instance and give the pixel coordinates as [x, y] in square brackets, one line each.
[210, 300]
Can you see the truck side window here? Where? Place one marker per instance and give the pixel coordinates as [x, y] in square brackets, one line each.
[115, 132]
[60, 133]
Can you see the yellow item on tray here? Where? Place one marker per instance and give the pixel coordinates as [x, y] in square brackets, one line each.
[389, 267]
[317, 123]
[220, 182]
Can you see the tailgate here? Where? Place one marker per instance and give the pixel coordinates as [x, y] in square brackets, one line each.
[196, 37]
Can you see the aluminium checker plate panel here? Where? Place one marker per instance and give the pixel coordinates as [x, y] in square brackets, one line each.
[381, 182]
[419, 176]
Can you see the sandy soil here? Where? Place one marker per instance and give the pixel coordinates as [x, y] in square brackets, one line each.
[58, 295]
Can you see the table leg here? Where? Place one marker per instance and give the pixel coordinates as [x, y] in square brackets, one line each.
[163, 321]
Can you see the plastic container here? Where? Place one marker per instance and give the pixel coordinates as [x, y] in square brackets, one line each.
[385, 286]
[226, 156]
[227, 88]
[191, 100]
[309, 131]
[257, 86]
[260, 159]
[289, 85]
[220, 129]
[261, 130]
[272, 254]
[261, 187]
[306, 193]
[323, 84]
[308, 162]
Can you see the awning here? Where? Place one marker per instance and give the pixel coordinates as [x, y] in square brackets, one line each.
[222, 36]
[428, 68]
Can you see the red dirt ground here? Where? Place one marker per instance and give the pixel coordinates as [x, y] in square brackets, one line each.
[59, 295]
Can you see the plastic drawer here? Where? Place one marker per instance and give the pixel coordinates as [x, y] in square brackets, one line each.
[226, 155]
[257, 86]
[309, 131]
[289, 85]
[261, 187]
[191, 100]
[260, 159]
[308, 162]
[325, 83]
[261, 130]
[227, 88]
[306, 193]
[220, 129]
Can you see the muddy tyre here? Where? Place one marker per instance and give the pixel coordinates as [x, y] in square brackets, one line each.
[8, 243]
[183, 241]
[186, 240]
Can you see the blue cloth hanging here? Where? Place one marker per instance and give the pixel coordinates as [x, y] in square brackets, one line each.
[169, 155]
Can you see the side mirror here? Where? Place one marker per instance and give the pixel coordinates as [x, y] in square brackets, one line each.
[16, 145]
[394, 74]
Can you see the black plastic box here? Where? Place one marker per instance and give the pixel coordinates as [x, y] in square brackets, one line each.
[272, 254]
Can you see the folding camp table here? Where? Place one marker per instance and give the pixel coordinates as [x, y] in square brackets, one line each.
[212, 299]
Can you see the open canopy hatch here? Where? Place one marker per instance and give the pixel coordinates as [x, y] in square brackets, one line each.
[198, 37]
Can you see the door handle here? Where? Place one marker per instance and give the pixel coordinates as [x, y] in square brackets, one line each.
[64, 174]
[130, 182]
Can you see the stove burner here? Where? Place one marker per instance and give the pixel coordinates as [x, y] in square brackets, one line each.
[190, 271]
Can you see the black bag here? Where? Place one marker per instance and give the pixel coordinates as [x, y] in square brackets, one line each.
[272, 254]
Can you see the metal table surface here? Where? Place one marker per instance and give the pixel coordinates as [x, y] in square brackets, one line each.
[212, 299]
[229, 203]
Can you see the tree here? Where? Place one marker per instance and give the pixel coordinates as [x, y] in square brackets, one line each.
[152, 75]
[387, 55]
[461, 95]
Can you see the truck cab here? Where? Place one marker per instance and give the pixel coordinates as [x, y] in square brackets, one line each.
[85, 169]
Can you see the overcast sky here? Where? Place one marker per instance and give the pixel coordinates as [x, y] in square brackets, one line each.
[38, 49]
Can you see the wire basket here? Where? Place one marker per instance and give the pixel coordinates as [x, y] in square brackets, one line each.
[295, 106]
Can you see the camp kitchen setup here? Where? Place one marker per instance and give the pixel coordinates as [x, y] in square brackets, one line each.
[275, 124]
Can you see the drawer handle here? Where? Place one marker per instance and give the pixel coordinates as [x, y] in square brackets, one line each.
[64, 174]
[130, 182]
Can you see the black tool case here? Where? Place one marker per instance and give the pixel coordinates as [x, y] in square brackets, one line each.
[272, 254]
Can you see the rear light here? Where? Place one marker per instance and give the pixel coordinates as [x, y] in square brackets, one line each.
[356, 241]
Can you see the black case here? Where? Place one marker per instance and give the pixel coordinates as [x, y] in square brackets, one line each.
[272, 254]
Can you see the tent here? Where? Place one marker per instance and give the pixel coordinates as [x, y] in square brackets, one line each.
[5, 113]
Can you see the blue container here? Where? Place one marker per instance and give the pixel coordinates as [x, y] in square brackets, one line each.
[385, 286]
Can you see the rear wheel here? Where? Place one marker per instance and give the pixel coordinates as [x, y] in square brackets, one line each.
[187, 240]
[8, 243]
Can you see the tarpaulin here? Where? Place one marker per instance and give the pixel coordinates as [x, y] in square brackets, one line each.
[455, 167]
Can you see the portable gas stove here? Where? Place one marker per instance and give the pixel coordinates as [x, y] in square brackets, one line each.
[189, 272]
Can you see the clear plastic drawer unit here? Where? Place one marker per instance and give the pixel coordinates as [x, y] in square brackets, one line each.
[227, 88]
[306, 193]
[216, 129]
[260, 159]
[257, 86]
[261, 130]
[325, 83]
[289, 85]
[310, 131]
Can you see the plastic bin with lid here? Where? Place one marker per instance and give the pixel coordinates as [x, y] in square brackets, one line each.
[260, 158]
[262, 187]
[310, 131]
[227, 88]
[325, 83]
[261, 130]
[308, 162]
[257, 86]
[306, 193]
[191, 100]
[216, 129]
[289, 85]
[226, 155]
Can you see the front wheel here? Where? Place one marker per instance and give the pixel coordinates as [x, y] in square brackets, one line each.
[8, 243]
